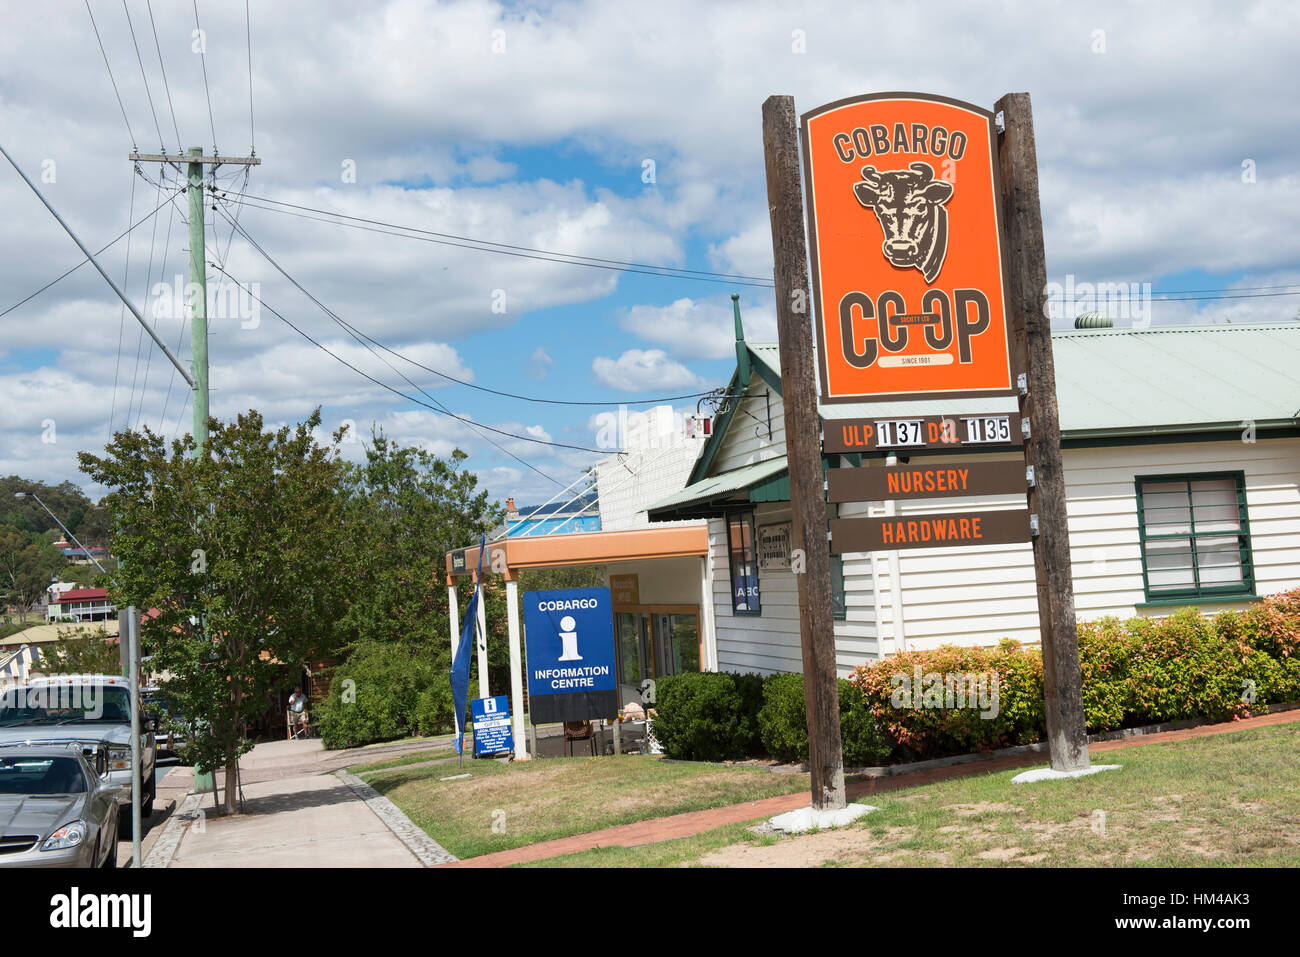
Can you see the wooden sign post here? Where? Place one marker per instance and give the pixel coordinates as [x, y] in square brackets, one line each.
[1032, 335]
[928, 283]
[803, 452]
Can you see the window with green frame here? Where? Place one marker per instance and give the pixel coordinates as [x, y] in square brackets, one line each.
[742, 551]
[1195, 536]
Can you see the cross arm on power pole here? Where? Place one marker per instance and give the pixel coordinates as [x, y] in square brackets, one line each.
[203, 160]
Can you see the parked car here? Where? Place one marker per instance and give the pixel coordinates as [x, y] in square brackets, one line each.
[90, 711]
[169, 725]
[56, 808]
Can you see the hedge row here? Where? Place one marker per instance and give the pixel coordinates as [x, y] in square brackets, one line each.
[1135, 672]
[726, 716]
[958, 700]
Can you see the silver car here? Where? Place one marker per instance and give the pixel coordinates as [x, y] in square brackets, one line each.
[56, 808]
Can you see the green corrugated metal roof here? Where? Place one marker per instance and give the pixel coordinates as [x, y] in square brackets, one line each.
[724, 486]
[1166, 379]
[1108, 382]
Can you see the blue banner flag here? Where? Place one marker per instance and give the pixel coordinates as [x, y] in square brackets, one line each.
[460, 666]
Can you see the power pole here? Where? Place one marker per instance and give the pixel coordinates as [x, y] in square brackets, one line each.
[195, 161]
[803, 452]
[1067, 735]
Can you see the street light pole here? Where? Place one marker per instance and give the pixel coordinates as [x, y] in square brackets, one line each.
[83, 548]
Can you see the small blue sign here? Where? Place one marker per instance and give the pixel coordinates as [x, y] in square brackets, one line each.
[571, 656]
[492, 731]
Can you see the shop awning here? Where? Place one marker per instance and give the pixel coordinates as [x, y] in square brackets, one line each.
[765, 481]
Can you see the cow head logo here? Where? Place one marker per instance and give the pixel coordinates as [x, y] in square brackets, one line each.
[909, 204]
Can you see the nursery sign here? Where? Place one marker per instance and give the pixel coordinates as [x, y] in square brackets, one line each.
[906, 245]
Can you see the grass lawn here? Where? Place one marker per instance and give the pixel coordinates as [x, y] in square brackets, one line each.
[509, 805]
[1226, 800]
[413, 758]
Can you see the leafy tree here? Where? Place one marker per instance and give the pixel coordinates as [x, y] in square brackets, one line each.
[407, 508]
[238, 552]
[27, 561]
[82, 651]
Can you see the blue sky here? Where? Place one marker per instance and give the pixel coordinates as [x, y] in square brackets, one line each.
[1166, 146]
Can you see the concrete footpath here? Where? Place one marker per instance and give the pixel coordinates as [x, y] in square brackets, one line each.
[697, 822]
[295, 813]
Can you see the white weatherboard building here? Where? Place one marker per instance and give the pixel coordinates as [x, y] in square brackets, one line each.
[1181, 448]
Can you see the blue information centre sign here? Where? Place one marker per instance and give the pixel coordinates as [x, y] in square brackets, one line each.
[569, 635]
[492, 732]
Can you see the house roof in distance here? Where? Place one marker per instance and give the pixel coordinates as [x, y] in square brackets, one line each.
[82, 594]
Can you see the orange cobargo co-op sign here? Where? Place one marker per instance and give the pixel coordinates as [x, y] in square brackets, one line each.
[906, 248]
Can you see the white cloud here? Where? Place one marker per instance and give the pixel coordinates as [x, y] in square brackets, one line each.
[700, 328]
[644, 370]
[539, 363]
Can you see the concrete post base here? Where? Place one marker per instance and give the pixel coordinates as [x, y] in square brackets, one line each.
[1048, 774]
[807, 818]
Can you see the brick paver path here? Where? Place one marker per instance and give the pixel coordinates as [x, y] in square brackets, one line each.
[697, 822]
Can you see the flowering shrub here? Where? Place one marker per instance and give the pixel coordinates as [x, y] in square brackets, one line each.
[914, 696]
[1273, 625]
[1140, 671]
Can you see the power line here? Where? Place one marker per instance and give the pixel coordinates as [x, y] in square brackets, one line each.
[167, 89]
[510, 395]
[248, 33]
[121, 320]
[360, 337]
[674, 272]
[162, 279]
[398, 392]
[64, 275]
[143, 76]
[203, 59]
[148, 274]
[506, 249]
[111, 78]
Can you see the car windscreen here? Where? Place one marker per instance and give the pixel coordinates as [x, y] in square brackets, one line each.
[34, 775]
[65, 704]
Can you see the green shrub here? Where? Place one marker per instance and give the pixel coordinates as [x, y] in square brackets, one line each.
[750, 688]
[783, 723]
[435, 712]
[1184, 666]
[384, 691]
[783, 720]
[700, 716]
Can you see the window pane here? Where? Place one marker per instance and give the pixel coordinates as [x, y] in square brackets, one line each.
[1218, 560]
[1166, 508]
[1169, 564]
[1214, 505]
